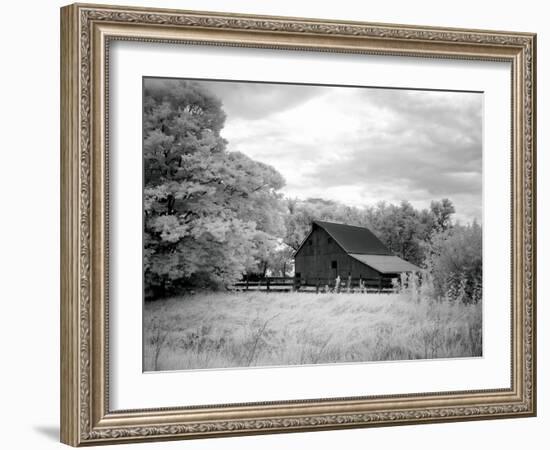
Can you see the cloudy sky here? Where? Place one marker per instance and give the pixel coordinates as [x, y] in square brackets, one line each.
[361, 145]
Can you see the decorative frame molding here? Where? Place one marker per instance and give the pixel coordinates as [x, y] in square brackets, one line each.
[86, 31]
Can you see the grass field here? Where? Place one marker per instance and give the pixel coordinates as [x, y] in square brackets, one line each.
[216, 330]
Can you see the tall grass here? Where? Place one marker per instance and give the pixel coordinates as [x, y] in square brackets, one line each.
[218, 330]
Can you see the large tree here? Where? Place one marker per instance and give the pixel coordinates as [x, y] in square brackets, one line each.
[442, 212]
[210, 214]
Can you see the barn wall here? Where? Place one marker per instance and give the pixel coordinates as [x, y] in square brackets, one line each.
[315, 257]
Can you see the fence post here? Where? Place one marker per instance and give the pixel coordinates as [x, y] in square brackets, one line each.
[317, 286]
[414, 286]
[267, 284]
[349, 283]
[246, 282]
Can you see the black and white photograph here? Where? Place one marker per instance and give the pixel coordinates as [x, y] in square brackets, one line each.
[297, 224]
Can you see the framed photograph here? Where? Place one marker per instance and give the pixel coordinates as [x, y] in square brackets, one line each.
[275, 224]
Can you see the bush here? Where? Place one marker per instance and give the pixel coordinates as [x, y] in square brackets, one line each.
[454, 262]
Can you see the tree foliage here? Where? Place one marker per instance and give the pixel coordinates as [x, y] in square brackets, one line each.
[454, 261]
[210, 214]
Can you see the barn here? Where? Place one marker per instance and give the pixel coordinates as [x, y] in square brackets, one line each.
[333, 249]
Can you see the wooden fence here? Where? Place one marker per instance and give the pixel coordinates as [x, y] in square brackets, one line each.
[266, 284]
[316, 284]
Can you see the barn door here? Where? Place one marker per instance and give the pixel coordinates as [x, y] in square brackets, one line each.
[334, 269]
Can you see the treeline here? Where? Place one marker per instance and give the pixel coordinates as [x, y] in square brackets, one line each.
[211, 216]
[450, 253]
[402, 228]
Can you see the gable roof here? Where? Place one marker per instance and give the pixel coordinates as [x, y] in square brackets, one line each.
[386, 263]
[352, 239]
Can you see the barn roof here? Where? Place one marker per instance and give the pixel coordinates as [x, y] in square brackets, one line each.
[354, 239]
[386, 263]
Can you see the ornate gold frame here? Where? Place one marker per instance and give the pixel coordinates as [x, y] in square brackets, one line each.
[86, 31]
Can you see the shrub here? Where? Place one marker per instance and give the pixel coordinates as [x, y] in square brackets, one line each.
[454, 263]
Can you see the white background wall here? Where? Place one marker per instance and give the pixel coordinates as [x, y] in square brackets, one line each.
[29, 224]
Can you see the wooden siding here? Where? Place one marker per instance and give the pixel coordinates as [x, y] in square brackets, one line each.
[314, 259]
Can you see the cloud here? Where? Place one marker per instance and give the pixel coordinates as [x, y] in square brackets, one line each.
[428, 146]
[362, 145]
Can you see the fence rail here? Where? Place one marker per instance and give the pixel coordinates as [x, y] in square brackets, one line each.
[316, 284]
